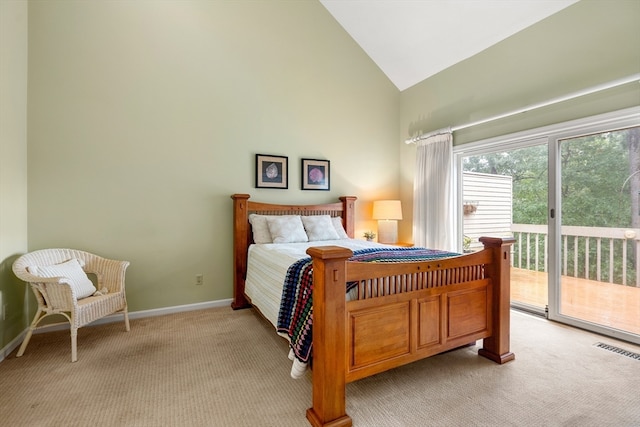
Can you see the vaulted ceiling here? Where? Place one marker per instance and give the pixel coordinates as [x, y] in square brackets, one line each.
[411, 40]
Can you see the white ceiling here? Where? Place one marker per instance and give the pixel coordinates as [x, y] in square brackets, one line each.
[411, 40]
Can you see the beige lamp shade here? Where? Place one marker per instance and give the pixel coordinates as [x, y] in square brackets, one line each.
[387, 212]
[387, 209]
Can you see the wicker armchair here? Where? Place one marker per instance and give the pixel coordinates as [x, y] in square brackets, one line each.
[56, 295]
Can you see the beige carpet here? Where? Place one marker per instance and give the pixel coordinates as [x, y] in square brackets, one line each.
[220, 367]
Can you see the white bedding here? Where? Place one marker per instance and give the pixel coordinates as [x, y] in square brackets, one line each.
[267, 266]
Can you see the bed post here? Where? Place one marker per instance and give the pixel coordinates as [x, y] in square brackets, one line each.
[496, 347]
[240, 249]
[348, 214]
[329, 337]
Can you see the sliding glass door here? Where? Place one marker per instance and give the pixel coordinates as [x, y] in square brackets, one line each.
[570, 196]
[599, 240]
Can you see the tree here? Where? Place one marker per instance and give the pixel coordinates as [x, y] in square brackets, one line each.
[593, 169]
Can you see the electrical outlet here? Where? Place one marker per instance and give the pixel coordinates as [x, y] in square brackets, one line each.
[4, 311]
[199, 279]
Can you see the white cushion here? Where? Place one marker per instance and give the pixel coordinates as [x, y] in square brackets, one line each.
[286, 229]
[319, 227]
[260, 229]
[337, 225]
[70, 270]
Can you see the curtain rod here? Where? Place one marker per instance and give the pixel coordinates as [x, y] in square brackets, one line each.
[593, 89]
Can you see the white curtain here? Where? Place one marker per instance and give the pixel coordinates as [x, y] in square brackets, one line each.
[433, 213]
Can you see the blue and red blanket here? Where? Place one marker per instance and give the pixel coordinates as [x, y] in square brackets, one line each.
[296, 308]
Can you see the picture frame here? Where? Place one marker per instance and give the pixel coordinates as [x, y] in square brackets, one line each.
[315, 174]
[272, 171]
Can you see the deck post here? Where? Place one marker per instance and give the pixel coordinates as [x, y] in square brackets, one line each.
[329, 337]
[496, 347]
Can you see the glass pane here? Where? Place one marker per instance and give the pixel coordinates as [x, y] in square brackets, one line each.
[505, 194]
[600, 232]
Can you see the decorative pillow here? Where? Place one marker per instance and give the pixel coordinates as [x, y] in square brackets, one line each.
[260, 228]
[337, 224]
[319, 227]
[286, 229]
[70, 270]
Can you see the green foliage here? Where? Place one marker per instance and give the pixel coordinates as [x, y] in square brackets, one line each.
[594, 169]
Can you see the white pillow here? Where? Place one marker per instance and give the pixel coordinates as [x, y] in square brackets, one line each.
[260, 228]
[337, 224]
[319, 227]
[286, 229]
[72, 271]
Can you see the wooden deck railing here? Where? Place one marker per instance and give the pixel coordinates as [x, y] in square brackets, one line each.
[596, 253]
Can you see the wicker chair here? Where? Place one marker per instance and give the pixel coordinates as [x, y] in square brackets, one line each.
[57, 296]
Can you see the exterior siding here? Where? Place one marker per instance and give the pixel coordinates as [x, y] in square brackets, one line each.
[492, 197]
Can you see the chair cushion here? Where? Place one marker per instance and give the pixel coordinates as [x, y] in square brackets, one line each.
[72, 271]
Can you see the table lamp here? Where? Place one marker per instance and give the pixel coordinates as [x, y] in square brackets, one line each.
[387, 212]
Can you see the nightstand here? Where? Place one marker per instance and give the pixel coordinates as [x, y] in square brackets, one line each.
[405, 244]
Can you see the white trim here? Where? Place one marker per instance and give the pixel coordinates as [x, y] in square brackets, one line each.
[167, 310]
[118, 317]
[505, 142]
[13, 344]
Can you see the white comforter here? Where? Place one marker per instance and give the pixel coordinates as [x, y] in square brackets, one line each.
[266, 269]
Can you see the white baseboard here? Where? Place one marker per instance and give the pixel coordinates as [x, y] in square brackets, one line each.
[4, 352]
[13, 344]
[165, 310]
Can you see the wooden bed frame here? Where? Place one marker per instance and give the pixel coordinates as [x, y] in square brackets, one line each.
[404, 311]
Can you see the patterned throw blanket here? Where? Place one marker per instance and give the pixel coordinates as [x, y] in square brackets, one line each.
[296, 308]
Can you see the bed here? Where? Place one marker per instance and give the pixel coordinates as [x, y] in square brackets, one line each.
[400, 312]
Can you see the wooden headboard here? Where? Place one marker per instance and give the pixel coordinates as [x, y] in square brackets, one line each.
[242, 236]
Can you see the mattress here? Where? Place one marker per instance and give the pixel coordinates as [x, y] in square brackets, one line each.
[267, 266]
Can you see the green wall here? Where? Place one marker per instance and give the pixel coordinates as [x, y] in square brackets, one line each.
[145, 116]
[13, 165]
[587, 44]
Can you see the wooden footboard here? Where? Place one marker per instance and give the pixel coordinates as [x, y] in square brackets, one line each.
[404, 312]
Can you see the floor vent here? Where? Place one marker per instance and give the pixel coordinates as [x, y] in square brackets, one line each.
[618, 350]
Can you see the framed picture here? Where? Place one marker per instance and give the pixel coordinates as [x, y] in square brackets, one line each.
[315, 174]
[272, 171]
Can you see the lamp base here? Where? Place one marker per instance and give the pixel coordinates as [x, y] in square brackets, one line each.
[388, 231]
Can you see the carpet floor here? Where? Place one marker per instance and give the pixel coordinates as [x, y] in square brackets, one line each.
[219, 367]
